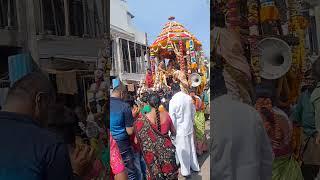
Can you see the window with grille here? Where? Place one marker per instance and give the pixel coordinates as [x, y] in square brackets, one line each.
[87, 18]
[8, 14]
[133, 57]
[125, 55]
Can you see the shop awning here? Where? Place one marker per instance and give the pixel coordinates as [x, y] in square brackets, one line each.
[68, 63]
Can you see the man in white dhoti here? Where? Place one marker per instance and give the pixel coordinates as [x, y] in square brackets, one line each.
[182, 111]
[240, 147]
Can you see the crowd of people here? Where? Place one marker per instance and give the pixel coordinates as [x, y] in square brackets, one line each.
[156, 133]
[255, 135]
[43, 138]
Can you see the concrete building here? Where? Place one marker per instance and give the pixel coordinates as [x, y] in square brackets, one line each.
[60, 35]
[59, 30]
[129, 46]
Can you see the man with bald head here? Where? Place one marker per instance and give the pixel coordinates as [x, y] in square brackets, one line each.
[121, 126]
[28, 150]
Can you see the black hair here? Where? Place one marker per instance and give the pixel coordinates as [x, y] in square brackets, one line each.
[219, 19]
[177, 66]
[194, 90]
[145, 97]
[175, 87]
[28, 86]
[166, 105]
[161, 92]
[154, 102]
[267, 89]
[168, 95]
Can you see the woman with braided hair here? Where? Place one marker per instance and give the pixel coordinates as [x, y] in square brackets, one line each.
[152, 133]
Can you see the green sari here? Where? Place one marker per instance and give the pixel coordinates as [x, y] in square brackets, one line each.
[199, 121]
[286, 168]
[199, 128]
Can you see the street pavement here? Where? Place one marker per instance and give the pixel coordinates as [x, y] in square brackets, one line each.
[204, 162]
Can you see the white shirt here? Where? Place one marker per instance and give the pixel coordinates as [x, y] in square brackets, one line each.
[241, 148]
[182, 111]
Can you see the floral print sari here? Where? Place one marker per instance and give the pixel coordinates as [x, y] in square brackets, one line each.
[158, 151]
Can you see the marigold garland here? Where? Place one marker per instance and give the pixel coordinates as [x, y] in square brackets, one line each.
[298, 52]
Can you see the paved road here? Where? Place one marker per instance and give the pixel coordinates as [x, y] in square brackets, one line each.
[204, 162]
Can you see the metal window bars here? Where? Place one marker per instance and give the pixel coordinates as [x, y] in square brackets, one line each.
[8, 14]
[81, 18]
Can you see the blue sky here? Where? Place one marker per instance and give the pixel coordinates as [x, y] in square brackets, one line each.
[151, 15]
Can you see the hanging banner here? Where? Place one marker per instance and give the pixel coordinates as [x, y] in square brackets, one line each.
[193, 57]
[191, 45]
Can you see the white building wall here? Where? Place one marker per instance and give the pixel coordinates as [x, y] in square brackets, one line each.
[122, 26]
[118, 14]
[120, 19]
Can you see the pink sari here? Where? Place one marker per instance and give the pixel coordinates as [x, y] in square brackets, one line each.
[116, 163]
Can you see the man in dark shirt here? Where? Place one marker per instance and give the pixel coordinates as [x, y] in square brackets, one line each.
[28, 150]
[121, 127]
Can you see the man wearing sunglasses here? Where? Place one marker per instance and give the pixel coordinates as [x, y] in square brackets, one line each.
[29, 150]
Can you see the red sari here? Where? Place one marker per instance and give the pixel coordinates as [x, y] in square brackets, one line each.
[116, 163]
[158, 151]
[149, 80]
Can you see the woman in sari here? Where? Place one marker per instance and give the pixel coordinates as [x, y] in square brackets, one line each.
[199, 124]
[152, 133]
[279, 130]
